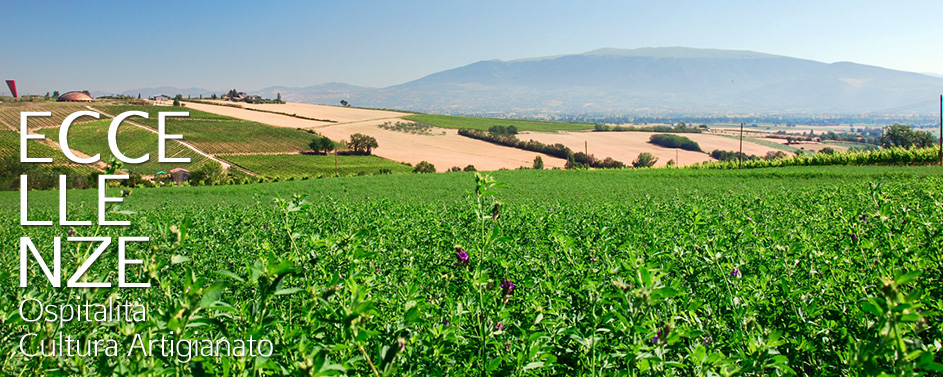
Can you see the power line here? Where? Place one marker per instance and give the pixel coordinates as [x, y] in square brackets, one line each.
[904, 107]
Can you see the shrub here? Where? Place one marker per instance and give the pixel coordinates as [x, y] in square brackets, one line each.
[502, 130]
[674, 141]
[424, 167]
[610, 163]
[470, 168]
[538, 163]
[645, 160]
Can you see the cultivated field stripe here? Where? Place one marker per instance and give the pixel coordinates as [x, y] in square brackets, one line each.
[225, 164]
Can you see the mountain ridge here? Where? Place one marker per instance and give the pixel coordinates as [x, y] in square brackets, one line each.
[643, 80]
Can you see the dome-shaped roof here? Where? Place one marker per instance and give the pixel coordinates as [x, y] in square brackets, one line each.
[75, 97]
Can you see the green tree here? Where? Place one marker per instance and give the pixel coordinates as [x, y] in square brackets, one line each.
[899, 135]
[538, 163]
[321, 144]
[361, 143]
[424, 167]
[827, 150]
[470, 168]
[645, 160]
[208, 174]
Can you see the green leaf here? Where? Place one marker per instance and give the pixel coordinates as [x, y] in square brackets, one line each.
[666, 292]
[494, 364]
[871, 308]
[906, 278]
[232, 276]
[287, 291]
[534, 365]
[699, 354]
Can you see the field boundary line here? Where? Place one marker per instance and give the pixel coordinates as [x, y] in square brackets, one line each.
[224, 163]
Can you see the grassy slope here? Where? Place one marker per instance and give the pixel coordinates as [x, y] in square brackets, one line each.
[10, 113]
[217, 134]
[92, 138]
[449, 121]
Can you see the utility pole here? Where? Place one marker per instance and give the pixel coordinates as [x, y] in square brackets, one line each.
[941, 129]
[740, 164]
[586, 147]
[336, 171]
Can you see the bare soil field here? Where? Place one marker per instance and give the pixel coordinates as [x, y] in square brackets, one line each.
[257, 116]
[626, 146]
[443, 151]
[334, 113]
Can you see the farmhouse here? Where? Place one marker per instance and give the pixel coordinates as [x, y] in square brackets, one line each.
[179, 175]
[160, 98]
[74, 97]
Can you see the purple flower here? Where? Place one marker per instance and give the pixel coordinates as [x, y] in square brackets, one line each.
[507, 287]
[708, 340]
[445, 322]
[735, 273]
[496, 211]
[854, 237]
[461, 255]
[125, 193]
[402, 344]
[500, 326]
[71, 232]
[657, 337]
[507, 346]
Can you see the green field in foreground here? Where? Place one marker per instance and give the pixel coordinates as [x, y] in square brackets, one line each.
[475, 123]
[808, 271]
[300, 165]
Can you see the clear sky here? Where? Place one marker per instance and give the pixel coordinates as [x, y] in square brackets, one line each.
[120, 45]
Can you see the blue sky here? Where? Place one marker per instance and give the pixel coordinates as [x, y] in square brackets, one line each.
[120, 45]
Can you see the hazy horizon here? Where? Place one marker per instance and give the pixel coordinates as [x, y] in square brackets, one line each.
[105, 46]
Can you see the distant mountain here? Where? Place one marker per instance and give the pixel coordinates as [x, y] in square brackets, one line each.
[641, 81]
[329, 94]
[659, 80]
[647, 80]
